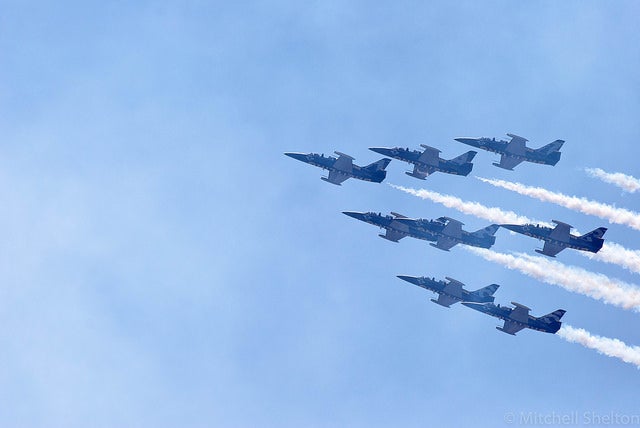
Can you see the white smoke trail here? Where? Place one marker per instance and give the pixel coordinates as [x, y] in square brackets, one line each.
[617, 254]
[493, 214]
[625, 182]
[604, 345]
[577, 280]
[583, 205]
[610, 252]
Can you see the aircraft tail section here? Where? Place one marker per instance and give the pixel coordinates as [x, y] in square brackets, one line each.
[551, 147]
[465, 157]
[550, 154]
[485, 294]
[595, 234]
[487, 231]
[379, 165]
[594, 238]
[554, 316]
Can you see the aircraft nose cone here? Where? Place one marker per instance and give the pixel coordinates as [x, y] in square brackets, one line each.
[382, 150]
[465, 140]
[411, 279]
[354, 214]
[299, 156]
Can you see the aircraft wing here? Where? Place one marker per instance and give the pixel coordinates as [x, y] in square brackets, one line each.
[392, 235]
[454, 287]
[445, 243]
[343, 163]
[517, 145]
[508, 162]
[551, 249]
[336, 177]
[420, 173]
[519, 313]
[561, 231]
[511, 327]
[429, 156]
[453, 228]
[444, 300]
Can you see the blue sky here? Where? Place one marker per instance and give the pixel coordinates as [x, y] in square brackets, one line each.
[162, 263]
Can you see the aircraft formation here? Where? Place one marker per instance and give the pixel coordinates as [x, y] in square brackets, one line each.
[515, 319]
[444, 232]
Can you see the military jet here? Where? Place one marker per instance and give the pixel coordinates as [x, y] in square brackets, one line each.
[516, 151]
[445, 231]
[517, 318]
[342, 167]
[394, 230]
[428, 161]
[452, 291]
[558, 238]
[449, 232]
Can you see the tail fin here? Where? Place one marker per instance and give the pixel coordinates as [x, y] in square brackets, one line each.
[595, 234]
[379, 165]
[485, 294]
[554, 316]
[487, 231]
[465, 157]
[551, 147]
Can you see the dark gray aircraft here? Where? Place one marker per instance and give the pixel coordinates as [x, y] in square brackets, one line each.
[452, 291]
[342, 167]
[428, 161]
[449, 232]
[394, 230]
[558, 238]
[517, 318]
[516, 151]
[445, 231]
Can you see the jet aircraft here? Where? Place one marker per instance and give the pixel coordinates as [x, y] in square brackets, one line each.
[449, 232]
[558, 238]
[515, 151]
[445, 231]
[451, 291]
[394, 230]
[428, 161]
[517, 318]
[342, 167]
